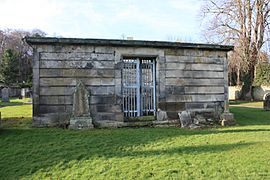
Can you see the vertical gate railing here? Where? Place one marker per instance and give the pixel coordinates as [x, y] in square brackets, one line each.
[138, 87]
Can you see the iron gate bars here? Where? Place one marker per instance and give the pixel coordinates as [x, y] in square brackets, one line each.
[138, 86]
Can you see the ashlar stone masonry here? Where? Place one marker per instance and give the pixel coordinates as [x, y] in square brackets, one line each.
[169, 77]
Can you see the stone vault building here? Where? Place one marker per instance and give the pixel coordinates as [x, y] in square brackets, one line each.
[128, 80]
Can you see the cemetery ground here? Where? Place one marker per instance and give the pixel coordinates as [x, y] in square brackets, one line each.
[239, 152]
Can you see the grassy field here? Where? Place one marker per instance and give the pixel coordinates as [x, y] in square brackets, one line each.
[258, 104]
[240, 152]
[16, 113]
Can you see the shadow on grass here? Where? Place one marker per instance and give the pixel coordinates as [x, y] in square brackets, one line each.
[4, 104]
[191, 149]
[25, 151]
[238, 102]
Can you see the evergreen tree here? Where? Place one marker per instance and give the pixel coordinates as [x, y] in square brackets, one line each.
[9, 69]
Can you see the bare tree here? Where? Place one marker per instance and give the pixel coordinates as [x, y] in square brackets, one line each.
[242, 23]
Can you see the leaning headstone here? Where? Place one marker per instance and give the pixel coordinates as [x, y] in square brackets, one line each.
[185, 119]
[81, 118]
[5, 94]
[266, 102]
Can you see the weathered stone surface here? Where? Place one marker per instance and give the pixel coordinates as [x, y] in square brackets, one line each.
[54, 108]
[81, 101]
[191, 74]
[72, 81]
[185, 119]
[227, 119]
[174, 52]
[101, 90]
[77, 64]
[58, 119]
[55, 100]
[199, 119]
[109, 99]
[175, 106]
[53, 91]
[81, 118]
[162, 115]
[192, 59]
[192, 67]
[166, 123]
[64, 48]
[5, 94]
[77, 73]
[109, 107]
[204, 90]
[195, 98]
[78, 56]
[194, 82]
[177, 90]
[172, 115]
[81, 123]
[200, 105]
[266, 102]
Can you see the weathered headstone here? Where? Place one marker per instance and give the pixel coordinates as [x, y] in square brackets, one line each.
[81, 118]
[162, 115]
[227, 118]
[266, 102]
[5, 94]
[23, 92]
[185, 119]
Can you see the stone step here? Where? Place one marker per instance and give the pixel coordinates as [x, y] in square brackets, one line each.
[115, 124]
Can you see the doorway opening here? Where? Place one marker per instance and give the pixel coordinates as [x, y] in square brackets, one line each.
[138, 86]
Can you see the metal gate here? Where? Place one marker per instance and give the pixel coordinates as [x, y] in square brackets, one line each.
[138, 87]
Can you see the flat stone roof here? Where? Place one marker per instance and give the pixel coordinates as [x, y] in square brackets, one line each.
[130, 43]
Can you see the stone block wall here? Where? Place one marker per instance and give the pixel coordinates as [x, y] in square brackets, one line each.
[186, 79]
[60, 67]
[195, 80]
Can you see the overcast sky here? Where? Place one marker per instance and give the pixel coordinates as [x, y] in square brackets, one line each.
[141, 19]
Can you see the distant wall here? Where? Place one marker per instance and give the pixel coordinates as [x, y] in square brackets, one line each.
[258, 92]
[13, 92]
[234, 92]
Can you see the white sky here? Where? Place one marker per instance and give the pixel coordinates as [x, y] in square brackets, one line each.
[141, 19]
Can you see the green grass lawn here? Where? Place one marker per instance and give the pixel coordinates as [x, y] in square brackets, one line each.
[16, 113]
[258, 104]
[239, 152]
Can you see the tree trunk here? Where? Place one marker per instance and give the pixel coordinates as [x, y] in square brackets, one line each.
[247, 93]
[238, 81]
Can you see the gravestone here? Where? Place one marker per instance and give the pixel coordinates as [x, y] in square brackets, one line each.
[81, 117]
[5, 94]
[266, 102]
[185, 119]
[162, 115]
[227, 118]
